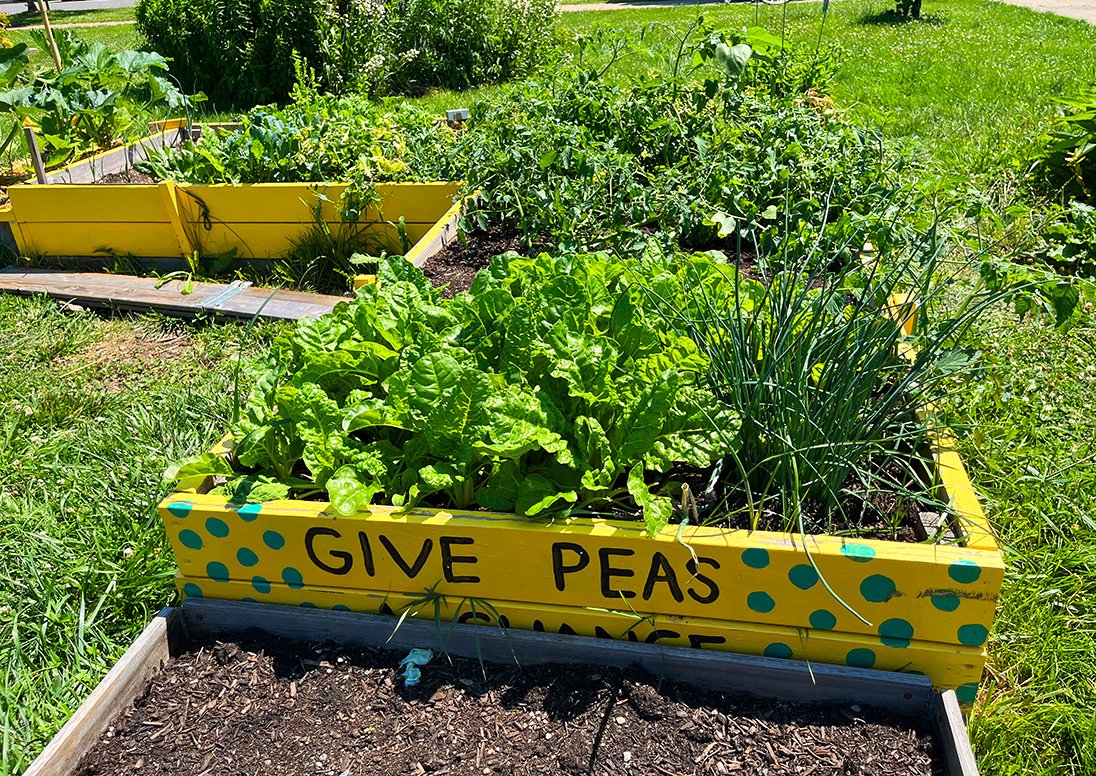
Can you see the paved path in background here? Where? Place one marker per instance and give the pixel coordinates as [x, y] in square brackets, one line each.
[629, 4]
[1085, 10]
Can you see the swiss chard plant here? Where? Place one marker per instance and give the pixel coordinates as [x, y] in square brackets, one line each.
[550, 387]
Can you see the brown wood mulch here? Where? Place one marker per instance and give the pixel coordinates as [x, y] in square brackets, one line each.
[267, 706]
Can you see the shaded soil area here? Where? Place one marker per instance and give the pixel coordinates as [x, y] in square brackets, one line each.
[455, 267]
[268, 706]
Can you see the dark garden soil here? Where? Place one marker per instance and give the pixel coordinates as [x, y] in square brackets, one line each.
[265, 706]
[126, 177]
[455, 267]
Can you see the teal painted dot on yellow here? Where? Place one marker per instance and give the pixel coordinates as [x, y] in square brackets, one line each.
[246, 557]
[755, 558]
[180, 508]
[896, 632]
[217, 527]
[973, 635]
[760, 601]
[308, 605]
[249, 512]
[216, 571]
[964, 571]
[945, 602]
[877, 588]
[260, 584]
[273, 540]
[341, 608]
[249, 599]
[803, 576]
[293, 578]
[860, 658]
[967, 693]
[782, 651]
[823, 620]
[190, 539]
[191, 590]
[861, 553]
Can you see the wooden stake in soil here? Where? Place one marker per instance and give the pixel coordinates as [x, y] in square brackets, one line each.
[35, 154]
[49, 35]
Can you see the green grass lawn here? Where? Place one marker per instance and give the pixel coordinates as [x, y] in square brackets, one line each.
[91, 409]
[60, 16]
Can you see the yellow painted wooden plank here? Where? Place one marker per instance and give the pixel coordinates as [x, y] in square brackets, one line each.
[7, 214]
[169, 197]
[948, 666]
[266, 240]
[435, 237]
[930, 593]
[87, 203]
[295, 202]
[86, 239]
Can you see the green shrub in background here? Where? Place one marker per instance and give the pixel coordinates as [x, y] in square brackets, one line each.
[251, 52]
[1067, 161]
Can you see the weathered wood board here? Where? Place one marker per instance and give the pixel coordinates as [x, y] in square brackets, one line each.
[126, 292]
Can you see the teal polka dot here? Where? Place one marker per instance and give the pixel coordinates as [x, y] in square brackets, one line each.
[341, 608]
[803, 576]
[964, 571]
[945, 602]
[249, 599]
[760, 601]
[861, 553]
[217, 527]
[756, 558]
[249, 512]
[860, 658]
[191, 590]
[823, 620]
[190, 539]
[967, 693]
[973, 635]
[308, 605]
[246, 557]
[180, 508]
[218, 572]
[877, 588]
[782, 651]
[260, 584]
[293, 578]
[273, 540]
[896, 633]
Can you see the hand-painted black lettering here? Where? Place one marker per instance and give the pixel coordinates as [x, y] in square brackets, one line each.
[346, 558]
[445, 543]
[601, 633]
[538, 626]
[504, 621]
[412, 570]
[567, 629]
[660, 633]
[467, 616]
[367, 554]
[697, 641]
[608, 571]
[713, 589]
[662, 571]
[560, 569]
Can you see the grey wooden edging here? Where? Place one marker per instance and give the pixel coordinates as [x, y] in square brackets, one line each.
[117, 160]
[791, 680]
[118, 689]
[951, 732]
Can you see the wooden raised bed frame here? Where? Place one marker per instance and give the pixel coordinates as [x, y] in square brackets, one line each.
[789, 680]
[72, 215]
[930, 607]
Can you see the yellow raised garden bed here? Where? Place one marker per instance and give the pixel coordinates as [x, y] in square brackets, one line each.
[928, 608]
[73, 216]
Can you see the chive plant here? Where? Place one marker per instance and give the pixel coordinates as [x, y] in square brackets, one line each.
[830, 389]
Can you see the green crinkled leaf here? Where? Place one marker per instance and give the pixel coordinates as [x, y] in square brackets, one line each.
[254, 489]
[519, 422]
[348, 491]
[192, 472]
[500, 492]
[538, 494]
[657, 510]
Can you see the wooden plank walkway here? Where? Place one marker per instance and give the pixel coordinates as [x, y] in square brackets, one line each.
[125, 292]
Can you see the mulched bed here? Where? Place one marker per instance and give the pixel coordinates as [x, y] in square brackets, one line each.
[125, 177]
[263, 705]
[455, 266]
